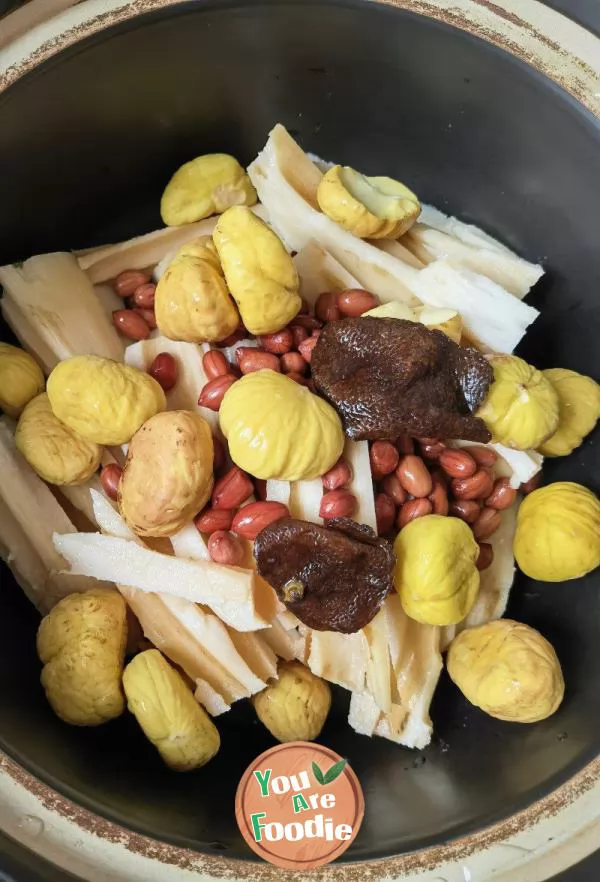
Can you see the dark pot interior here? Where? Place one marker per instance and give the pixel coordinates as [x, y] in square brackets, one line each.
[88, 142]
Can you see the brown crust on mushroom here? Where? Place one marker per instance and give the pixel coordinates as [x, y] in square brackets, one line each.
[388, 377]
[333, 577]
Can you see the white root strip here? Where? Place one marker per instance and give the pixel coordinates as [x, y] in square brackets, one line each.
[378, 675]
[125, 562]
[514, 274]
[28, 336]
[305, 500]
[80, 496]
[279, 491]
[191, 376]
[356, 454]
[17, 550]
[340, 658]
[215, 639]
[256, 652]
[178, 621]
[214, 703]
[189, 544]
[58, 302]
[491, 315]
[416, 665]
[105, 263]
[164, 629]
[319, 271]
[36, 513]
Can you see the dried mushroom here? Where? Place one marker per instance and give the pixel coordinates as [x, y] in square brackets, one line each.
[333, 578]
[389, 377]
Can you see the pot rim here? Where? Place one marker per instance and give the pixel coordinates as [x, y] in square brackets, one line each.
[525, 29]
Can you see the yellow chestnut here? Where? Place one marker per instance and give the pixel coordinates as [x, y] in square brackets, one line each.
[508, 670]
[579, 410]
[259, 272]
[435, 574]
[278, 429]
[294, 707]
[102, 400]
[207, 185]
[81, 644]
[558, 532]
[168, 474]
[168, 713]
[20, 379]
[521, 407]
[370, 208]
[54, 451]
[192, 302]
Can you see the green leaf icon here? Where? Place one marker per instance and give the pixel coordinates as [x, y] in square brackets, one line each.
[335, 771]
[318, 774]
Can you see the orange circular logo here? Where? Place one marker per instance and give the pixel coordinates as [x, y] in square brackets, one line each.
[299, 805]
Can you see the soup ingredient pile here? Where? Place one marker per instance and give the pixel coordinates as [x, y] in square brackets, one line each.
[280, 443]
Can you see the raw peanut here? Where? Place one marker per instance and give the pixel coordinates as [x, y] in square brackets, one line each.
[502, 496]
[308, 322]
[225, 549]
[391, 486]
[164, 370]
[457, 463]
[253, 518]
[232, 489]
[130, 324]
[413, 509]
[478, 486]
[299, 334]
[354, 301]
[241, 351]
[219, 455]
[414, 476]
[213, 393]
[239, 334]
[466, 509]
[337, 504]
[148, 316]
[128, 281]
[292, 363]
[385, 511]
[531, 485]
[486, 524]
[439, 499]
[431, 448]
[405, 444]
[337, 476]
[144, 295]
[384, 459]
[279, 342]
[260, 488]
[483, 456]
[486, 556]
[326, 307]
[109, 478]
[255, 360]
[215, 364]
[298, 378]
[306, 348]
[212, 519]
